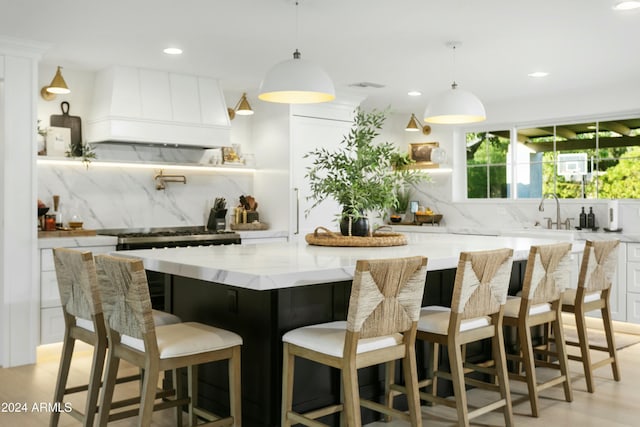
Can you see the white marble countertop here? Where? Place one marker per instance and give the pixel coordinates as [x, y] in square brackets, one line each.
[77, 241]
[288, 264]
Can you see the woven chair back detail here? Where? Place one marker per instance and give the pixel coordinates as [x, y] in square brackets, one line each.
[386, 296]
[599, 263]
[481, 283]
[77, 282]
[548, 272]
[125, 295]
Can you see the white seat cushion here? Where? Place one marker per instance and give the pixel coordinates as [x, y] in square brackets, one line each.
[184, 339]
[85, 324]
[163, 318]
[435, 319]
[569, 297]
[159, 318]
[512, 307]
[328, 338]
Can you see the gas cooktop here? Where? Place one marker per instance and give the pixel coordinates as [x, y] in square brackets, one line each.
[170, 234]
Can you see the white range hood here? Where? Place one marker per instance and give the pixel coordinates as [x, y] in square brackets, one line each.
[134, 105]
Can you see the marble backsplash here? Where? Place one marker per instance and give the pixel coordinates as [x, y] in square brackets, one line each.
[126, 196]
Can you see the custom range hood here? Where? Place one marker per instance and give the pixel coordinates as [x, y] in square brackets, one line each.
[134, 105]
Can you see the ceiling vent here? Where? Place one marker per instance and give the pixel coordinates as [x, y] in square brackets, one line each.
[367, 84]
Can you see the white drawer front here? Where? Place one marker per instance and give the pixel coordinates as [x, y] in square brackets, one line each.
[49, 293]
[51, 325]
[633, 251]
[46, 260]
[633, 277]
[633, 308]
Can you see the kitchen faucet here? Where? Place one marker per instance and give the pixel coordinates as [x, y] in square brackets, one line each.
[161, 180]
[541, 209]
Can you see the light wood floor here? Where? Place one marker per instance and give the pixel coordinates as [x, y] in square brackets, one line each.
[613, 403]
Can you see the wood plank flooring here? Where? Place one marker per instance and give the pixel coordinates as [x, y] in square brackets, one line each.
[613, 404]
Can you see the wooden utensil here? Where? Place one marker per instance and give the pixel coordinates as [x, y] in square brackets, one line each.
[74, 123]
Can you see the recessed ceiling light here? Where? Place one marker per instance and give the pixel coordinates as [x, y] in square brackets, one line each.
[627, 5]
[172, 51]
[538, 74]
[414, 93]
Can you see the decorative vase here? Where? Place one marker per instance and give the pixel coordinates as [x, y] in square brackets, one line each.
[351, 227]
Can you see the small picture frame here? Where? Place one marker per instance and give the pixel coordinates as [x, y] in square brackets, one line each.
[413, 206]
[420, 153]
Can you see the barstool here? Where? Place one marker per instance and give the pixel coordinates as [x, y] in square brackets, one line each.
[547, 275]
[133, 337]
[381, 325]
[83, 319]
[479, 294]
[598, 267]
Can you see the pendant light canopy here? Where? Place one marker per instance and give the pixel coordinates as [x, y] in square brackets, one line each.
[296, 81]
[455, 106]
[57, 87]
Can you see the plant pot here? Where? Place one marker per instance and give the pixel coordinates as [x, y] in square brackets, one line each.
[359, 227]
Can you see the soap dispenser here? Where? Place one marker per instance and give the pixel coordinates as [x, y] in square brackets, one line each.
[583, 219]
[591, 219]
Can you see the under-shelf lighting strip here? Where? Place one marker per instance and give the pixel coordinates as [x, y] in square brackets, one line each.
[167, 166]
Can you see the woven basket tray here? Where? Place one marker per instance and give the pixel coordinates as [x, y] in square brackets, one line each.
[324, 237]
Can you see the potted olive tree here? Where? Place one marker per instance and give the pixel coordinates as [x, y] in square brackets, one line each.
[359, 174]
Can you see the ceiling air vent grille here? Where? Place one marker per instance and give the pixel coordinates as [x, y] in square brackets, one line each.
[367, 84]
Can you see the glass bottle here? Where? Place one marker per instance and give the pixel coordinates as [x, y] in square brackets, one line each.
[583, 219]
[591, 219]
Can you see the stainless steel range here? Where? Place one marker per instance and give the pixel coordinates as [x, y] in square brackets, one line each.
[170, 237]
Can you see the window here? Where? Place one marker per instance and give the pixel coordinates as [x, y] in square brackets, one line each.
[582, 160]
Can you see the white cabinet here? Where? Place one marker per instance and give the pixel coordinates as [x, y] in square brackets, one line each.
[157, 107]
[633, 282]
[51, 318]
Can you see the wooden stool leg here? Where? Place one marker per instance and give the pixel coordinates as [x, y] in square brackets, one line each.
[561, 350]
[192, 385]
[108, 385]
[411, 383]
[390, 379]
[97, 365]
[177, 386]
[288, 361]
[583, 339]
[435, 361]
[235, 394]
[63, 376]
[148, 396]
[526, 349]
[611, 345]
[457, 378]
[351, 394]
[502, 375]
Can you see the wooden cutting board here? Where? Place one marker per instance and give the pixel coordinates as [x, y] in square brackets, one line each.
[67, 233]
[74, 123]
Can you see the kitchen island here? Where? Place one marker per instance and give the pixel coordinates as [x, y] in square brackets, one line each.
[263, 291]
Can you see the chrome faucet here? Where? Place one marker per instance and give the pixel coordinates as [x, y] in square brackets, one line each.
[541, 209]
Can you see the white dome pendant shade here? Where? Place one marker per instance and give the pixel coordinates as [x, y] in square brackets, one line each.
[296, 81]
[455, 106]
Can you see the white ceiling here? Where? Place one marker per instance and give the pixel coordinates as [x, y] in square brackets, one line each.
[400, 44]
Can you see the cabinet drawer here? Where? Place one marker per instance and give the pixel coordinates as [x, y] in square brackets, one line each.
[633, 308]
[51, 325]
[46, 260]
[633, 277]
[49, 293]
[633, 252]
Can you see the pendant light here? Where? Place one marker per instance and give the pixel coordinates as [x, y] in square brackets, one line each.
[57, 86]
[296, 81]
[455, 106]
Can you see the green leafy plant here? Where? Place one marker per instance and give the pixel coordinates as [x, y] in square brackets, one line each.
[360, 174]
[403, 196]
[87, 153]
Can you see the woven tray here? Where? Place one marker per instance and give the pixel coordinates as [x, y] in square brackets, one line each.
[324, 237]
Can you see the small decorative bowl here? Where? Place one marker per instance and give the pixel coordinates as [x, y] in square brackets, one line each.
[395, 219]
[75, 225]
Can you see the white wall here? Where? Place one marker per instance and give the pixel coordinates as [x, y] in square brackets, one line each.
[19, 323]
